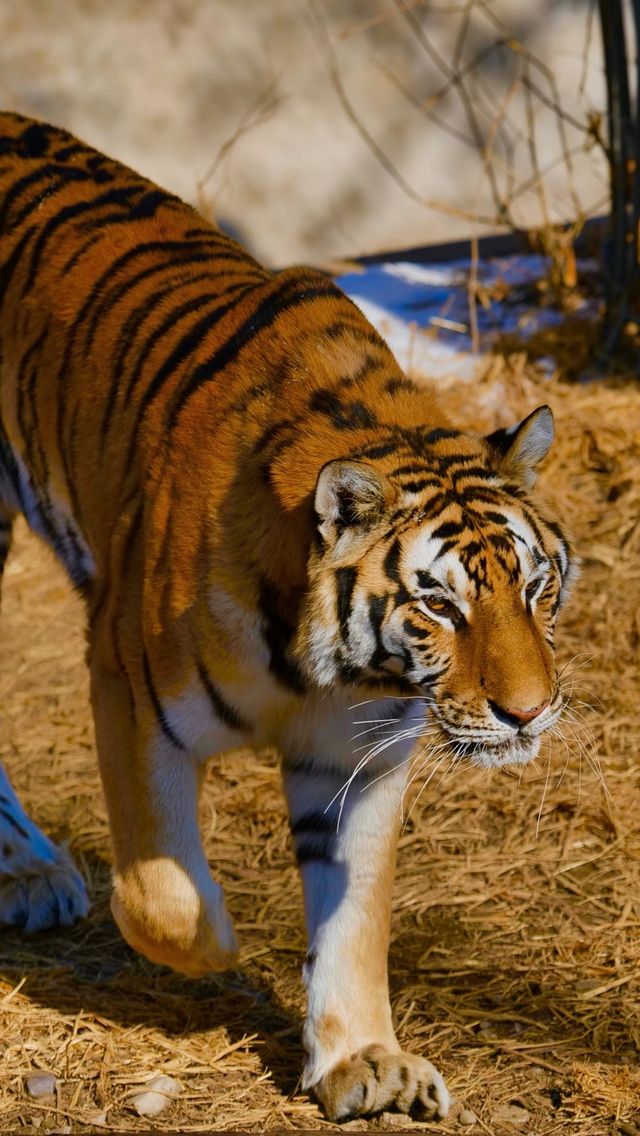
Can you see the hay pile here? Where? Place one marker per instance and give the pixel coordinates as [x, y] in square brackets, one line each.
[515, 959]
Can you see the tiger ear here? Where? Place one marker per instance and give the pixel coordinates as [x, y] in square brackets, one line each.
[522, 447]
[350, 494]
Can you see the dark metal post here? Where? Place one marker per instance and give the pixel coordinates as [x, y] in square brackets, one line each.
[622, 274]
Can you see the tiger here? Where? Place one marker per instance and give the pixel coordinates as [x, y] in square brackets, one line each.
[281, 540]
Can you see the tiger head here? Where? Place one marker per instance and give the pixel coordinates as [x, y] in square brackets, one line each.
[435, 574]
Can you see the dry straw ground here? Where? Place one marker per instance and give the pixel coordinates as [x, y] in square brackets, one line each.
[515, 960]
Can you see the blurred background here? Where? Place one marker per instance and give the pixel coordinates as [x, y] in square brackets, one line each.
[329, 128]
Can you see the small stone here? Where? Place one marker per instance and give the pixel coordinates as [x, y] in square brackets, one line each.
[159, 1092]
[97, 1118]
[514, 1114]
[486, 1028]
[467, 1117]
[41, 1085]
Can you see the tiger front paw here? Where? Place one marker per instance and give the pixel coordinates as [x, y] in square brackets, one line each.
[163, 915]
[376, 1080]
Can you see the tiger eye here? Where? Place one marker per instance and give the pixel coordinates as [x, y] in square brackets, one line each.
[438, 605]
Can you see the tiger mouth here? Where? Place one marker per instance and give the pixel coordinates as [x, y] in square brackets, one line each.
[511, 751]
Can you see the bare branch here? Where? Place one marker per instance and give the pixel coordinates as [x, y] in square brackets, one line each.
[264, 106]
[330, 59]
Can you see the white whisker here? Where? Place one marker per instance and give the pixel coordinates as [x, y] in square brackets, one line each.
[544, 793]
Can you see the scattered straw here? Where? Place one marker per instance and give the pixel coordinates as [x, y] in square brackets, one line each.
[515, 956]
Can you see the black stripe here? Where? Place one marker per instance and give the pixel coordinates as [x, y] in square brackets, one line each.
[10, 467]
[35, 138]
[51, 173]
[183, 347]
[472, 548]
[412, 468]
[415, 632]
[127, 335]
[277, 634]
[313, 835]
[147, 205]
[312, 767]
[345, 583]
[189, 343]
[505, 565]
[69, 151]
[157, 706]
[223, 710]
[342, 415]
[391, 566]
[99, 599]
[32, 141]
[481, 473]
[74, 445]
[382, 450]
[108, 299]
[268, 311]
[122, 217]
[439, 434]
[448, 529]
[391, 562]
[10, 819]
[270, 433]
[313, 822]
[447, 546]
[80, 577]
[513, 490]
[314, 849]
[500, 540]
[426, 580]
[557, 530]
[449, 461]
[37, 458]
[377, 608]
[418, 486]
[533, 525]
[473, 495]
[8, 268]
[26, 393]
[140, 249]
[397, 384]
[119, 196]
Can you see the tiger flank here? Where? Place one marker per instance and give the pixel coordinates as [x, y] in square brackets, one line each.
[280, 540]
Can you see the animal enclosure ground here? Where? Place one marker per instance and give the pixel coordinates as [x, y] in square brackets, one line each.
[515, 957]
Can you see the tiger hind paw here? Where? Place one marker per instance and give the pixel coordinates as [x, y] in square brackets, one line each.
[42, 895]
[174, 921]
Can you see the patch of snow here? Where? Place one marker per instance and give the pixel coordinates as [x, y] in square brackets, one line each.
[415, 350]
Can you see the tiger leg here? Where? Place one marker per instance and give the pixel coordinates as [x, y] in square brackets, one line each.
[164, 901]
[354, 1062]
[40, 887]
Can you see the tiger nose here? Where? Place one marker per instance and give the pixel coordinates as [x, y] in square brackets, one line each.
[515, 716]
